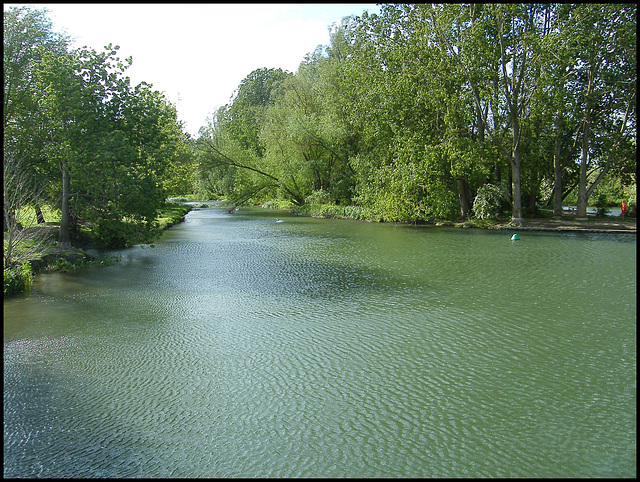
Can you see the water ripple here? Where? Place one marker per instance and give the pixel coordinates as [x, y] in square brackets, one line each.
[237, 347]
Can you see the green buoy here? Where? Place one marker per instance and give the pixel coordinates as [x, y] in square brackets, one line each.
[515, 237]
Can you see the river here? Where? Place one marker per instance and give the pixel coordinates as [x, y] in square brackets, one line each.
[238, 346]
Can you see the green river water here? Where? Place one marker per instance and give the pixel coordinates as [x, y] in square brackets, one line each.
[238, 346]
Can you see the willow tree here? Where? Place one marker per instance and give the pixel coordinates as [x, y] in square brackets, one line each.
[306, 133]
[233, 144]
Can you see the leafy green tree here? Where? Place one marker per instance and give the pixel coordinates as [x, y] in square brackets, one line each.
[506, 69]
[305, 131]
[233, 143]
[27, 34]
[411, 96]
[411, 112]
[111, 142]
[62, 95]
[244, 116]
[605, 48]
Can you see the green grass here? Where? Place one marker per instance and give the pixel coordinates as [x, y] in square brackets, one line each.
[27, 216]
[171, 214]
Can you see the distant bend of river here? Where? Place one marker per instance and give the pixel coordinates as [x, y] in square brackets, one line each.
[238, 346]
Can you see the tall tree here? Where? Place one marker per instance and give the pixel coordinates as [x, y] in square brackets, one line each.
[61, 112]
[110, 141]
[233, 142]
[605, 39]
[506, 68]
[27, 34]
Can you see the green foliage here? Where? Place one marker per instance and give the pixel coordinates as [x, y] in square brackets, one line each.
[277, 204]
[601, 202]
[489, 201]
[17, 280]
[115, 233]
[630, 194]
[169, 214]
[332, 211]
[120, 148]
[318, 197]
[404, 116]
[408, 114]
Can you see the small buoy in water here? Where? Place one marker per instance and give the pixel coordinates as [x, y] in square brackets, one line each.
[515, 237]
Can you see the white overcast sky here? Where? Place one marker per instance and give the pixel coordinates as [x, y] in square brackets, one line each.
[198, 53]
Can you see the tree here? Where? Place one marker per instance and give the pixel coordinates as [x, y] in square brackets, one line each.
[605, 47]
[411, 112]
[233, 142]
[422, 156]
[27, 34]
[507, 69]
[244, 116]
[305, 132]
[111, 142]
[61, 112]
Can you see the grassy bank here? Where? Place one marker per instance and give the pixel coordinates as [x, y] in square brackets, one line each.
[169, 215]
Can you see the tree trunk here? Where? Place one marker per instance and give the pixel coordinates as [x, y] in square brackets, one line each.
[464, 195]
[557, 174]
[39, 215]
[581, 209]
[516, 209]
[516, 199]
[65, 239]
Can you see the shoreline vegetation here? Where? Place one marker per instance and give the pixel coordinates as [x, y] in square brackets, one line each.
[543, 221]
[51, 257]
[462, 115]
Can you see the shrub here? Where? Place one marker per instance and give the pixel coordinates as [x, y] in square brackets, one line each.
[115, 233]
[602, 201]
[277, 204]
[630, 194]
[17, 280]
[319, 197]
[488, 201]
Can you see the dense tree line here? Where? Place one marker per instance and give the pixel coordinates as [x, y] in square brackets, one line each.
[438, 111]
[422, 112]
[104, 152]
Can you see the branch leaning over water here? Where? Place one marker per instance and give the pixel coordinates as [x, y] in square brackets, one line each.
[230, 162]
[224, 159]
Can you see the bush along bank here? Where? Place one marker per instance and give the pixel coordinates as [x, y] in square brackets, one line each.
[18, 280]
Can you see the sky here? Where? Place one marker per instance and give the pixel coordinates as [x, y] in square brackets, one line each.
[197, 54]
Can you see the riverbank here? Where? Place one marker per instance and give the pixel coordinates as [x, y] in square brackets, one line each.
[593, 224]
[544, 222]
[56, 258]
[596, 225]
